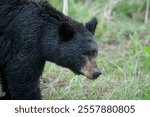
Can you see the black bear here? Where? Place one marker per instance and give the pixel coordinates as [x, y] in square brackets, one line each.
[33, 32]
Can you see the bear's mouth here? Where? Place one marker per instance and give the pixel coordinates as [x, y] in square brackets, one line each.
[90, 69]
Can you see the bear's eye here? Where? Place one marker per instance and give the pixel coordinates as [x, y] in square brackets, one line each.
[91, 53]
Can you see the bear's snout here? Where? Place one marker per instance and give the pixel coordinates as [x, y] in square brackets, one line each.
[96, 73]
[90, 69]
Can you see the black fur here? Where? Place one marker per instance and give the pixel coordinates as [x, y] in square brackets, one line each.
[32, 33]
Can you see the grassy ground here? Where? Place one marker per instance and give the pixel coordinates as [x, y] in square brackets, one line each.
[124, 56]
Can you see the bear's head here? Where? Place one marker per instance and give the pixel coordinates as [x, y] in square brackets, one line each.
[74, 47]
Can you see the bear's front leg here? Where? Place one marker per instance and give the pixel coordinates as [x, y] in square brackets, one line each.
[23, 79]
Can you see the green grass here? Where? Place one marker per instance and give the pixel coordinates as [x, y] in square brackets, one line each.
[124, 58]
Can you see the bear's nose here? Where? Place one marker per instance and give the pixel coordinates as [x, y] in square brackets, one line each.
[96, 73]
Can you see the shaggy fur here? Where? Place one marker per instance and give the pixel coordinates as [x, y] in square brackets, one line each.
[32, 33]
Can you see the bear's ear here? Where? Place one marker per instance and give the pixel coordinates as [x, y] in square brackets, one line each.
[65, 31]
[91, 25]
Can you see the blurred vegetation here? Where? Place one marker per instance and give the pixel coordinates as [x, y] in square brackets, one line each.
[123, 38]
